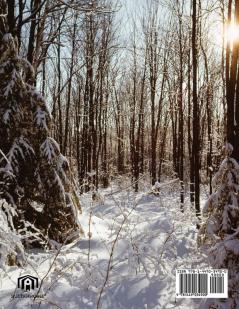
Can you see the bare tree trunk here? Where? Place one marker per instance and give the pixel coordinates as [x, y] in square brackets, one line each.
[180, 111]
[60, 123]
[68, 104]
[196, 133]
[209, 121]
[21, 6]
[31, 42]
[235, 88]
[11, 16]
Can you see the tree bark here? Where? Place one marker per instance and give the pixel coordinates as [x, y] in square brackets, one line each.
[196, 126]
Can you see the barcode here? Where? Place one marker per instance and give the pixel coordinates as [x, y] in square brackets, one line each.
[216, 284]
[201, 283]
[193, 283]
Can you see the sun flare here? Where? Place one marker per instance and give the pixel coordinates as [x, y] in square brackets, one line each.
[232, 33]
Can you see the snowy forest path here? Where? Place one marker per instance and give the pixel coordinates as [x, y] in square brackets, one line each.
[155, 239]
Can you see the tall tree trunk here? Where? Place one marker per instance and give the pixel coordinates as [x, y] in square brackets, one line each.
[180, 110]
[68, 104]
[31, 42]
[233, 93]
[60, 124]
[196, 133]
[11, 16]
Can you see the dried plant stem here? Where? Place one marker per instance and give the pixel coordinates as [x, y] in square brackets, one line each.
[111, 256]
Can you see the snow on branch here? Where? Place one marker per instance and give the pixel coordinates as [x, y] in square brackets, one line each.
[10, 240]
[50, 149]
[20, 149]
[10, 86]
[41, 118]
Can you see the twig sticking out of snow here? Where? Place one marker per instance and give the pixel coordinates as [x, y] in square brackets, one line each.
[50, 268]
[157, 186]
[125, 188]
[165, 184]
[112, 254]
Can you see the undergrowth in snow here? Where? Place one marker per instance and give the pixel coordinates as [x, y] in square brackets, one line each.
[133, 244]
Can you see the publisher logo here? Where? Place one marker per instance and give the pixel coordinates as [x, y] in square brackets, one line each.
[27, 283]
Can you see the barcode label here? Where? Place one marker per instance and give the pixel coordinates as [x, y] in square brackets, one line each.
[199, 283]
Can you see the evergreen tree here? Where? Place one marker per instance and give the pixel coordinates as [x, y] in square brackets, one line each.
[34, 175]
[219, 234]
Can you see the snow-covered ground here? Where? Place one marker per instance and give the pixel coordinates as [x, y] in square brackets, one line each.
[133, 244]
